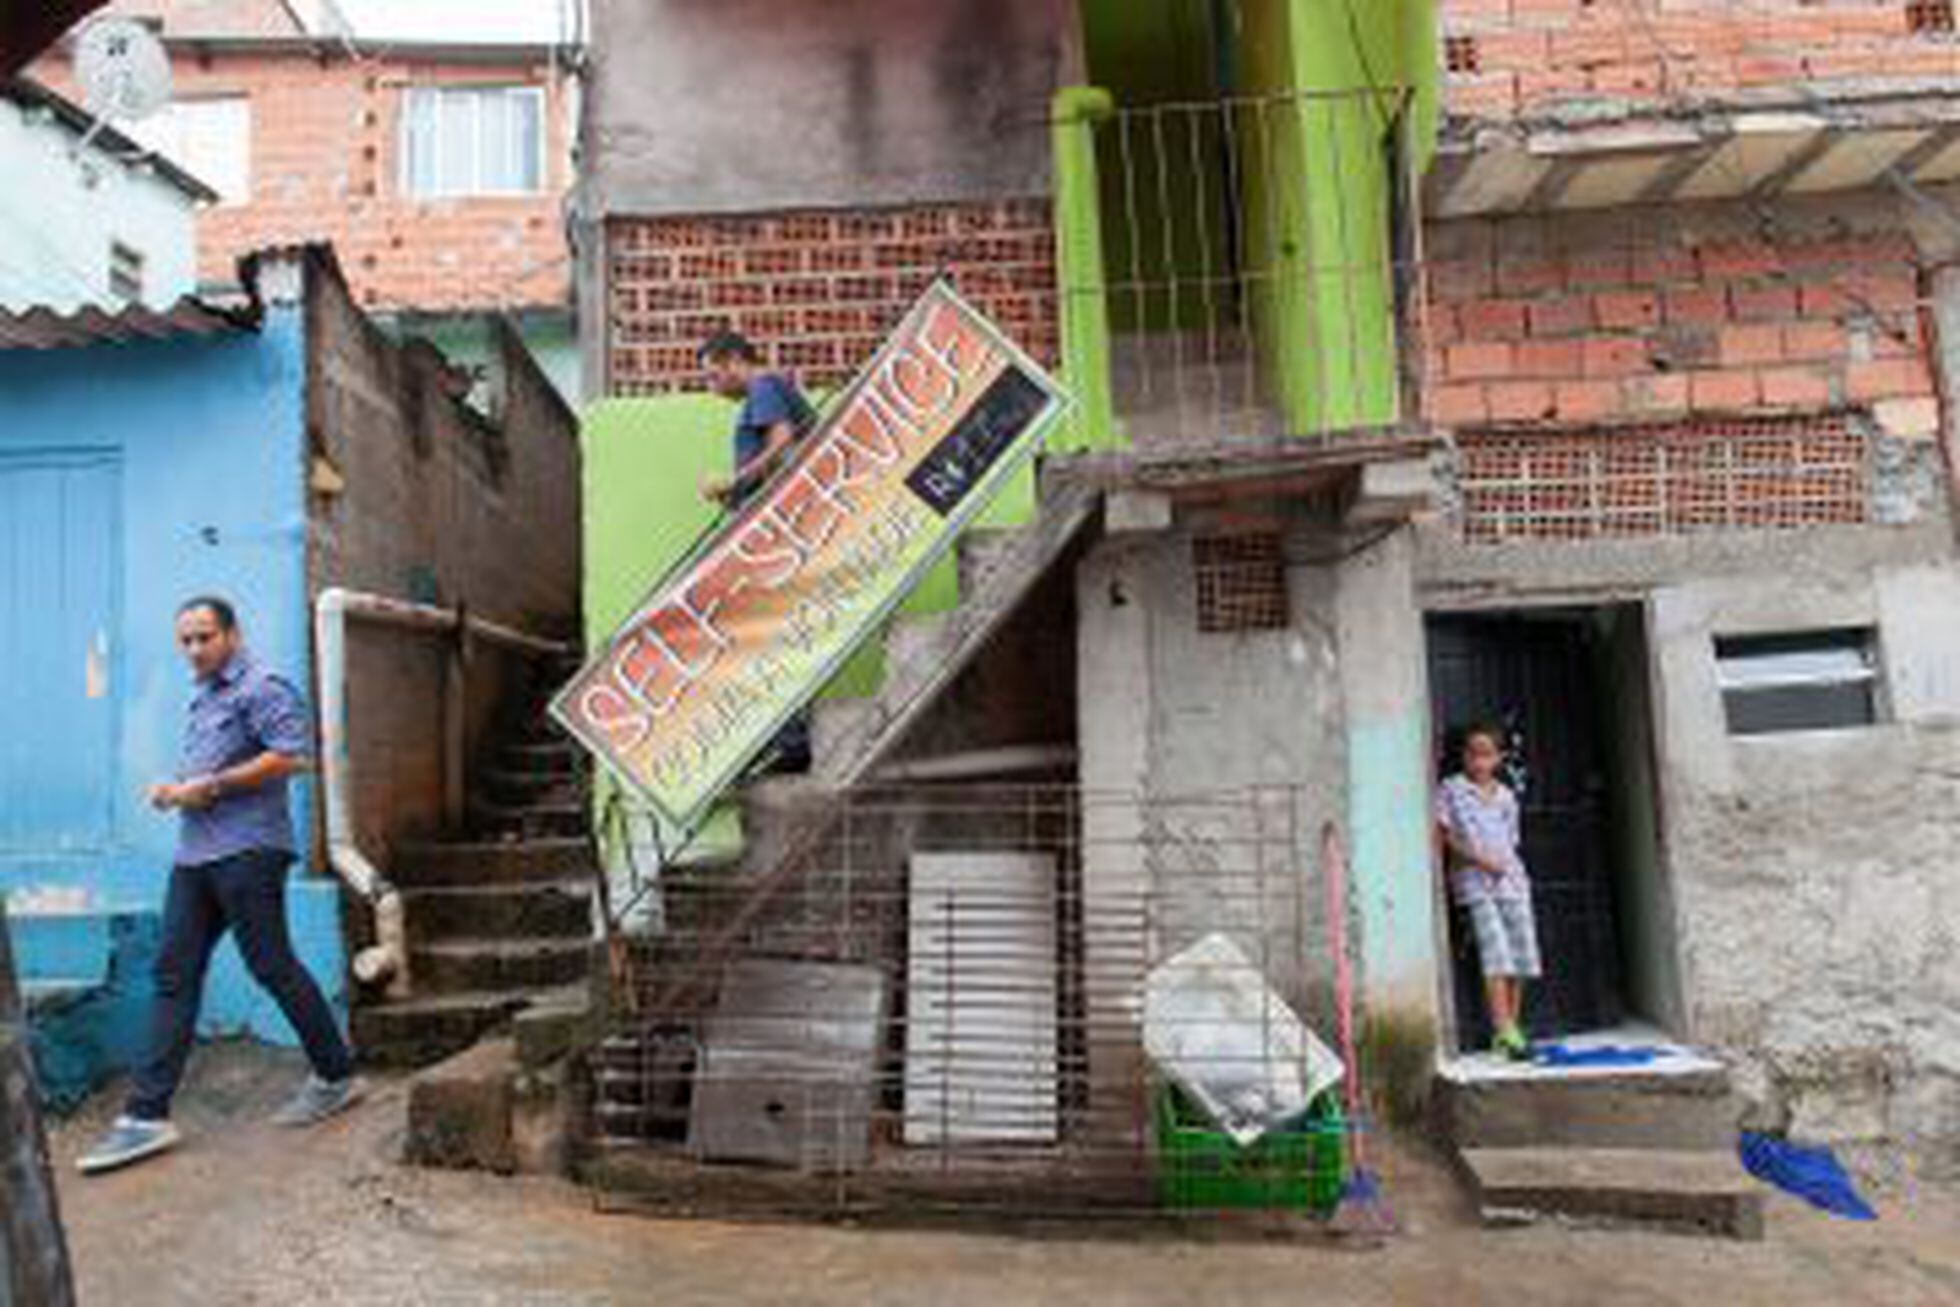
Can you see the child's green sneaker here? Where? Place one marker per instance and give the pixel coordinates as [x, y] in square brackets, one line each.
[1511, 1042]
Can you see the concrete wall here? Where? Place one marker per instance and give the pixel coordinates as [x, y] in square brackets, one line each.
[1322, 721]
[209, 436]
[1807, 874]
[1650, 954]
[59, 213]
[437, 504]
[749, 105]
[469, 341]
[1815, 900]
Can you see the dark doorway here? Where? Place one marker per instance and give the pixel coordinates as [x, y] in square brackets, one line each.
[1551, 679]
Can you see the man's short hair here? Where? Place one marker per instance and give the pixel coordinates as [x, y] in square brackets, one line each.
[219, 608]
[729, 343]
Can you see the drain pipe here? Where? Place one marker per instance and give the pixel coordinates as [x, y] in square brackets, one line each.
[387, 960]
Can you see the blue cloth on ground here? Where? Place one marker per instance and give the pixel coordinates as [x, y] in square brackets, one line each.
[1592, 1055]
[1811, 1172]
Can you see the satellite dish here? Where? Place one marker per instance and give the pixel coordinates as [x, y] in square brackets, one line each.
[123, 69]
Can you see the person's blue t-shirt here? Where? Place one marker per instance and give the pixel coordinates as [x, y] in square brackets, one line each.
[772, 398]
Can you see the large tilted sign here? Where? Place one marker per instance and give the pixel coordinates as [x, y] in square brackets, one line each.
[733, 643]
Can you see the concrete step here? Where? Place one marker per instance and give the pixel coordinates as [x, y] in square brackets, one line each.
[460, 1111]
[549, 819]
[779, 812]
[1683, 1102]
[487, 964]
[919, 635]
[928, 653]
[487, 1109]
[519, 787]
[429, 1027]
[558, 757]
[982, 549]
[835, 722]
[494, 862]
[525, 910]
[1699, 1191]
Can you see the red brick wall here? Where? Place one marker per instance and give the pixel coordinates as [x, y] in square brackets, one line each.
[1559, 321]
[817, 289]
[1508, 57]
[325, 166]
[1662, 370]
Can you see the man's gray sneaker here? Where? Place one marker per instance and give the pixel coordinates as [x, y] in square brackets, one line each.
[319, 1099]
[129, 1140]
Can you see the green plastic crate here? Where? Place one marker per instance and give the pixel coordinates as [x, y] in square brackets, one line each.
[1300, 1167]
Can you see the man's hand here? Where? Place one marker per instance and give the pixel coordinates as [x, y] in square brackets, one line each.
[715, 489]
[194, 794]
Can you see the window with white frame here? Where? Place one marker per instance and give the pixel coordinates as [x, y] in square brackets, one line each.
[472, 140]
[210, 139]
[1799, 680]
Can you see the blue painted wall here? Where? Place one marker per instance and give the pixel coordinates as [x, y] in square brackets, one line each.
[210, 439]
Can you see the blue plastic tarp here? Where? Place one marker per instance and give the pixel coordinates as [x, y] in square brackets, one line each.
[1810, 1171]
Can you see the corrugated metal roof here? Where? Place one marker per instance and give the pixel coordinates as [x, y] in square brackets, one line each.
[43, 328]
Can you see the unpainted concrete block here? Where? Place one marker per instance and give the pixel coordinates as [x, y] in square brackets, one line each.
[460, 1111]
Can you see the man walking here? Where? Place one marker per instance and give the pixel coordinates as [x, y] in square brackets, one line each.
[246, 737]
[774, 416]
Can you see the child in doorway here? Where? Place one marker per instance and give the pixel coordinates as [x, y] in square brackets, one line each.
[1477, 816]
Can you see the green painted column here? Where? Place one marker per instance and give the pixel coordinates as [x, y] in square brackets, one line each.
[1079, 264]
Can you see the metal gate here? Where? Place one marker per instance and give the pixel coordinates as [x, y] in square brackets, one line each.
[1030, 998]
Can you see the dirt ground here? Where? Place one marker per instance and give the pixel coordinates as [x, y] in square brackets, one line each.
[248, 1214]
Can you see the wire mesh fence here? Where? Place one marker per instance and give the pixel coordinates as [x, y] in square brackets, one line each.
[1027, 997]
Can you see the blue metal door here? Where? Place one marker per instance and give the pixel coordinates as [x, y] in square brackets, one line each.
[60, 520]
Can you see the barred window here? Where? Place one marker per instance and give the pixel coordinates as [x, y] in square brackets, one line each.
[1241, 582]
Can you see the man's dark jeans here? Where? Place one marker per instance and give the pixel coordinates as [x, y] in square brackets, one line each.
[246, 894]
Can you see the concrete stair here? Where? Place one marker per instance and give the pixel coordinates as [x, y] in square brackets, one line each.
[1693, 1190]
[500, 918]
[926, 653]
[1643, 1146]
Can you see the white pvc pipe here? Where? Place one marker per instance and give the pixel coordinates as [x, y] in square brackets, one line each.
[388, 959]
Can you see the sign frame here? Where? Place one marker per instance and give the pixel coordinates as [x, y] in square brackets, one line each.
[1055, 405]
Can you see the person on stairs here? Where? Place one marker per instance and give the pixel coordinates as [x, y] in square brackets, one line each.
[1477, 819]
[774, 416]
[246, 737]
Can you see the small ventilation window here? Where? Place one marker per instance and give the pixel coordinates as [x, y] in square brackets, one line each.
[1798, 681]
[1462, 54]
[1241, 582]
[1929, 16]
[125, 272]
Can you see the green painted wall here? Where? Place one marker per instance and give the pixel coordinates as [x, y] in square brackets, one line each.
[1315, 182]
[1349, 363]
[643, 460]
